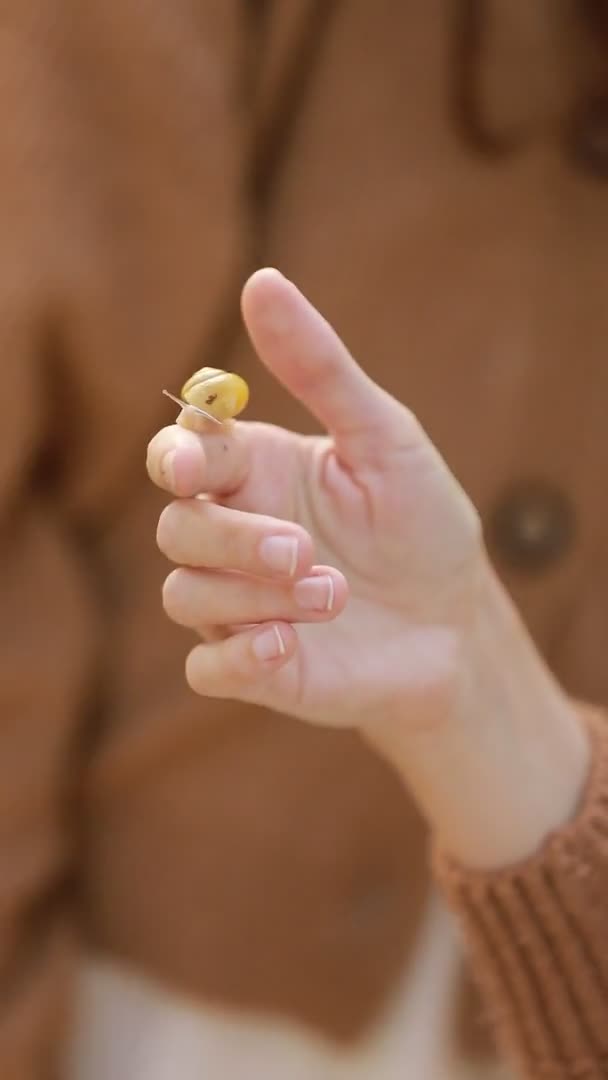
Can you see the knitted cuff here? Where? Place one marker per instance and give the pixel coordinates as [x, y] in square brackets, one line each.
[537, 936]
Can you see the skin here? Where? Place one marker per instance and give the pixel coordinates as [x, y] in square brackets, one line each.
[382, 612]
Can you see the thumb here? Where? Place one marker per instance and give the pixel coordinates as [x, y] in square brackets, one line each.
[302, 351]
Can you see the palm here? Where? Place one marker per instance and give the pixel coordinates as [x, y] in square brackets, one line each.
[375, 518]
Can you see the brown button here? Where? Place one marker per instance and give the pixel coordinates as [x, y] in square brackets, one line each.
[532, 526]
[589, 135]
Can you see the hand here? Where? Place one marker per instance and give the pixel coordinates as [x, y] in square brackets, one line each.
[343, 580]
[370, 512]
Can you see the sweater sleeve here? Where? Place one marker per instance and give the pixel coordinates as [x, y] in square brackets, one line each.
[537, 935]
[43, 678]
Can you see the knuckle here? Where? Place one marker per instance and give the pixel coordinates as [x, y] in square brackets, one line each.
[173, 594]
[167, 530]
[193, 671]
[204, 674]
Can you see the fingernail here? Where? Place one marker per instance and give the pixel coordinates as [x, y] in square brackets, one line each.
[315, 593]
[280, 553]
[269, 644]
[167, 468]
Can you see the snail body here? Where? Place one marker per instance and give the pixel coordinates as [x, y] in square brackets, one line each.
[215, 394]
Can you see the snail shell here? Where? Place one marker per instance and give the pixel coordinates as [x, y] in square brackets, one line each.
[217, 395]
[221, 394]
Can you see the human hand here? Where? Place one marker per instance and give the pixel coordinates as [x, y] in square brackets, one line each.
[381, 612]
[378, 550]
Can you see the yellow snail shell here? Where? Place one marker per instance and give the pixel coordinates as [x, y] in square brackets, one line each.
[218, 395]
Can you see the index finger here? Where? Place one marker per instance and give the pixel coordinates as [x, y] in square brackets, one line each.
[186, 463]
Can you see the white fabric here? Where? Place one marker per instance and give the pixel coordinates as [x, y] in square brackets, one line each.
[127, 1028]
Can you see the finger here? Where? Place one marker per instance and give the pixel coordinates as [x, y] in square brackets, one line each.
[234, 668]
[213, 633]
[303, 352]
[194, 598]
[196, 533]
[185, 462]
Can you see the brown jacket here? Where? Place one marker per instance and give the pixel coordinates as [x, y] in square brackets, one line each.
[150, 155]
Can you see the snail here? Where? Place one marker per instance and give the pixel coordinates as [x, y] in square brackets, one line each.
[214, 394]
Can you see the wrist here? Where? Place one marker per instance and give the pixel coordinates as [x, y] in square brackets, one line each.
[507, 762]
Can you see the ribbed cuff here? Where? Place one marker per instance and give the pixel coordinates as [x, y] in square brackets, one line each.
[537, 934]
